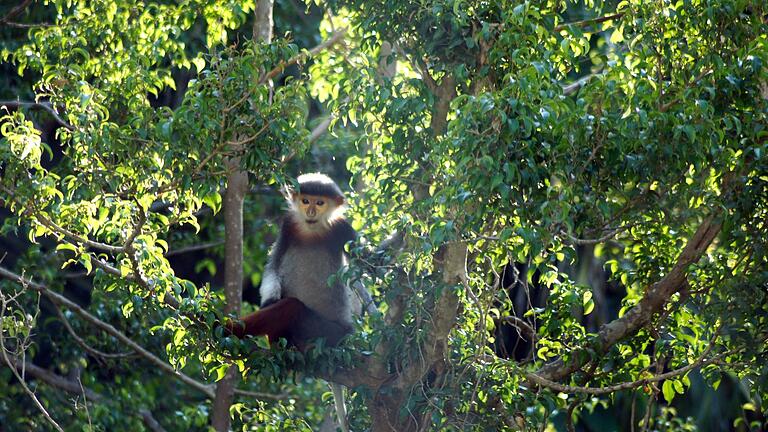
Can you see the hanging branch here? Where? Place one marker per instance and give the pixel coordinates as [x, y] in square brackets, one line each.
[588, 22]
[77, 388]
[277, 70]
[45, 106]
[109, 329]
[652, 302]
[19, 374]
[80, 341]
[700, 361]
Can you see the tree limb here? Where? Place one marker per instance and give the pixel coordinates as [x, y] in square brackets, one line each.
[80, 341]
[521, 325]
[46, 106]
[587, 242]
[16, 11]
[9, 361]
[73, 387]
[588, 22]
[700, 361]
[193, 248]
[59, 299]
[652, 302]
[277, 70]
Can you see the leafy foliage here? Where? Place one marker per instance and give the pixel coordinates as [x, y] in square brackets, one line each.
[540, 138]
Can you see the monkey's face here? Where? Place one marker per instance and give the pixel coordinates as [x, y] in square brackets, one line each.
[315, 211]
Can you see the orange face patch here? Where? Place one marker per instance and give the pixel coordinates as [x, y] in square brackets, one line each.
[314, 207]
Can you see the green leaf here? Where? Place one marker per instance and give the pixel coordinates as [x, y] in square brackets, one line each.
[199, 63]
[66, 246]
[668, 390]
[221, 371]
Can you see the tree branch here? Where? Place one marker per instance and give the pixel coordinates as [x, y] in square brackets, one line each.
[587, 242]
[194, 248]
[46, 106]
[109, 329]
[16, 11]
[51, 225]
[9, 361]
[700, 361]
[320, 129]
[277, 70]
[521, 325]
[588, 22]
[80, 341]
[573, 87]
[73, 387]
[652, 302]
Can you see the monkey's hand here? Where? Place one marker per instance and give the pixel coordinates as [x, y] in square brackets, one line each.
[235, 327]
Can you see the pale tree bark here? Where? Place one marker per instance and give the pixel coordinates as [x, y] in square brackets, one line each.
[237, 185]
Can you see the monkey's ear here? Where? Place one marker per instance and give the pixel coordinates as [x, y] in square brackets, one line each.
[339, 201]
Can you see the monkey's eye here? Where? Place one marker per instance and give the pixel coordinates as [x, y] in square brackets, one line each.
[305, 201]
[320, 202]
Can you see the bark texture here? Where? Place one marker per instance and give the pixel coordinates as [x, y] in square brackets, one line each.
[237, 186]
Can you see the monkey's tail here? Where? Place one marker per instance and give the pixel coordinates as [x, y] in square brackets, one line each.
[341, 408]
[275, 321]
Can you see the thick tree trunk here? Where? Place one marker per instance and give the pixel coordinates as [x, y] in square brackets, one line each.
[386, 405]
[237, 186]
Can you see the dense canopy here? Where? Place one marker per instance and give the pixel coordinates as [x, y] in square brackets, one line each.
[562, 210]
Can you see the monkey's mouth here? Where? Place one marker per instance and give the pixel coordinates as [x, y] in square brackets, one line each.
[311, 221]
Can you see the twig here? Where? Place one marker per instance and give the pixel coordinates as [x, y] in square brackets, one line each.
[320, 129]
[24, 26]
[572, 88]
[653, 301]
[41, 105]
[261, 395]
[586, 242]
[587, 22]
[69, 386]
[76, 237]
[569, 415]
[13, 13]
[48, 223]
[522, 325]
[702, 360]
[194, 248]
[109, 329]
[695, 81]
[240, 143]
[80, 341]
[336, 37]
[85, 402]
[150, 421]
[20, 375]
[54, 380]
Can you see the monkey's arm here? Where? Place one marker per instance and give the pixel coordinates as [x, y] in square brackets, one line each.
[270, 289]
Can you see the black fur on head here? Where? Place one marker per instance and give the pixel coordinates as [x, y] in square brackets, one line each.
[319, 184]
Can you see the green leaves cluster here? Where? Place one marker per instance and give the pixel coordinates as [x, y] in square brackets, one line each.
[632, 128]
[551, 138]
[125, 174]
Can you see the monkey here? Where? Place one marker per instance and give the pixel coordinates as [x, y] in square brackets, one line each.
[301, 299]
[298, 302]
